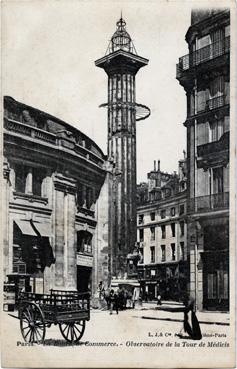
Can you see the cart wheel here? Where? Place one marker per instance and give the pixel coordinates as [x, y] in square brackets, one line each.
[32, 323]
[72, 331]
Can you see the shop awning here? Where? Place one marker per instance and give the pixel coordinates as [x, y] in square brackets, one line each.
[44, 229]
[25, 227]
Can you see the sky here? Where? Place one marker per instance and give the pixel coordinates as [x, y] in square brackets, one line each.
[49, 49]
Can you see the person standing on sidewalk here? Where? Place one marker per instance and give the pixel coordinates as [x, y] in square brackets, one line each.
[113, 302]
[193, 330]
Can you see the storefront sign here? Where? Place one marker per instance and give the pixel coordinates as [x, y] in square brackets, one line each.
[84, 260]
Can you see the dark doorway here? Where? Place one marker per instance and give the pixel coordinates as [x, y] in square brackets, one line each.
[83, 278]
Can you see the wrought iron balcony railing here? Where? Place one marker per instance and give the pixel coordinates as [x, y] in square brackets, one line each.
[204, 54]
[215, 146]
[207, 203]
[210, 104]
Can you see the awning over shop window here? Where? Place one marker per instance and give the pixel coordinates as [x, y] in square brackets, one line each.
[25, 227]
[44, 229]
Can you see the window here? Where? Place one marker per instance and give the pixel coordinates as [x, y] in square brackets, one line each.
[80, 195]
[218, 180]
[163, 231]
[163, 255]
[89, 197]
[88, 245]
[152, 215]
[181, 209]
[181, 250]
[152, 229]
[181, 225]
[217, 129]
[172, 251]
[37, 180]
[29, 180]
[140, 218]
[163, 214]
[84, 242]
[216, 89]
[20, 178]
[172, 212]
[173, 229]
[141, 234]
[152, 254]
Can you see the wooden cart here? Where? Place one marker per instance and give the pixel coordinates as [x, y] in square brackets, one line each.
[70, 310]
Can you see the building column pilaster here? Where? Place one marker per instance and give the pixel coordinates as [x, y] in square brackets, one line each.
[64, 210]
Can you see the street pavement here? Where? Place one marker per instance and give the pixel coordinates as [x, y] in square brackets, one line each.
[151, 310]
[131, 323]
[127, 331]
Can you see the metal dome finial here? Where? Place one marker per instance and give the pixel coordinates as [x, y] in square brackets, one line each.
[121, 39]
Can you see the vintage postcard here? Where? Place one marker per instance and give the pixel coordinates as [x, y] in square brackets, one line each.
[118, 183]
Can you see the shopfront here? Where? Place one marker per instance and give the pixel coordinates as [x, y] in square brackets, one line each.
[32, 252]
[215, 260]
[167, 280]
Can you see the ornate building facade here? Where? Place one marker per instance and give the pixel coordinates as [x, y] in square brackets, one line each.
[162, 234]
[205, 75]
[53, 175]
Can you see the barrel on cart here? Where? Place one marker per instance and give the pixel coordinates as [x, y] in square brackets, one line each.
[69, 309]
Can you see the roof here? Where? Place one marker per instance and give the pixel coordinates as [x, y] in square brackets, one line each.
[13, 105]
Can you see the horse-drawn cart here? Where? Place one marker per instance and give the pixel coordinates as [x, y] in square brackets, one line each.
[70, 310]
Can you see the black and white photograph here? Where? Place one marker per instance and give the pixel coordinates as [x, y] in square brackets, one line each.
[118, 183]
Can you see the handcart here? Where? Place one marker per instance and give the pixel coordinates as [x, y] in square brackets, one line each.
[69, 309]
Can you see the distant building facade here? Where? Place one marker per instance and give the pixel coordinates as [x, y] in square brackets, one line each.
[53, 175]
[205, 76]
[162, 234]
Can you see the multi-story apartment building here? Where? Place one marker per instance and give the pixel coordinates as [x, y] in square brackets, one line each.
[53, 175]
[204, 75]
[162, 234]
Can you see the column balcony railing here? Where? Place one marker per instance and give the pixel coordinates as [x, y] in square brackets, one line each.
[207, 203]
[202, 55]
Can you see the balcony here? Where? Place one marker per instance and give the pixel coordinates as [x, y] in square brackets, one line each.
[86, 211]
[215, 146]
[57, 139]
[29, 197]
[202, 55]
[213, 103]
[219, 201]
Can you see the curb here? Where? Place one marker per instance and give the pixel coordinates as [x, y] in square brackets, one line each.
[181, 320]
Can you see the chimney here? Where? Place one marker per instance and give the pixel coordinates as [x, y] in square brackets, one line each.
[158, 165]
[154, 165]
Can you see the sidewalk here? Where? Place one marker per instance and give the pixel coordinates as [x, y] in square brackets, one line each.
[167, 312]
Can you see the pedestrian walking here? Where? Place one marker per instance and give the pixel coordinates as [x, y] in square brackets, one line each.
[113, 299]
[159, 302]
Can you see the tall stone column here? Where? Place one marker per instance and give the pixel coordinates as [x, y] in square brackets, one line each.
[121, 66]
[65, 276]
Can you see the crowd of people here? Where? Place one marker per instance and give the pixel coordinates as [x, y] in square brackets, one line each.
[120, 299]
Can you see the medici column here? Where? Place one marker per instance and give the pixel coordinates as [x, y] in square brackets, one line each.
[121, 65]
